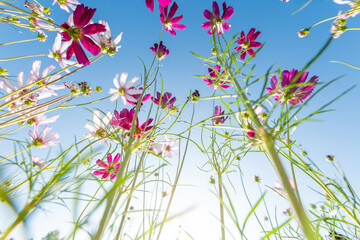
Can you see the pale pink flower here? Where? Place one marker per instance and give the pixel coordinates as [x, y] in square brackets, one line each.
[125, 91]
[112, 168]
[105, 40]
[50, 89]
[99, 129]
[59, 54]
[66, 4]
[43, 140]
[169, 148]
[40, 118]
[37, 162]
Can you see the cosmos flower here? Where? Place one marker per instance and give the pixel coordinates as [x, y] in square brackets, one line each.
[99, 129]
[125, 118]
[217, 78]
[111, 168]
[218, 119]
[66, 4]
[37, 162]
[58, 52]
[105, 40]
[39, 117]
[169, 148]
[43, 140]
[248, 124]
[160, 51]
[162, 3]
[168, 19]
[137, 96]
[289, 90]
[247, 43]
[164, 101]
[48, 90]
[125, 91]
[217, 23]
[78, 29]
[338, 27]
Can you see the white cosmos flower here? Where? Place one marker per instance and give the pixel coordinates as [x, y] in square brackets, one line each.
[125, 91]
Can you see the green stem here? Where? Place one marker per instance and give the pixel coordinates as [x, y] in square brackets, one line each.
[20, 41]
[176, 178]
[25, 56]
[222, 219]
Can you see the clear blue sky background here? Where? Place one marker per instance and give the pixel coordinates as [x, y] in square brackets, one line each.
[336, 133]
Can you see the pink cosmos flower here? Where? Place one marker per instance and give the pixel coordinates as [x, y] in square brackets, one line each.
[291, 91]
[247, 43]
[248, 124]
[99, 129]
[125, 91]
[137, 96]
[218, 118]
[39, 117]
[35, 76]
[160, 51]
[66, 4]
[105, 40]
[164, 101]
[168, 19]
[217, 23]
[217, 78]
[58, 53]
[338, 27]
[78, 29]
[112, 168]
[125, 118]
[41, 140]
[37, 162]
[168, 148]
[162, 3]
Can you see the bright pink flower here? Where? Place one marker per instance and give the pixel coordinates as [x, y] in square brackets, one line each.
[162, 3]
[160, 51]
[41, 140]
[78, 29]
[291, 91]
[248, 124]
[125, 118]
[217, 78]
[218, 118]
[168, 19]
[217, 23]
[247, 43]
[112, 168]
[164, 101]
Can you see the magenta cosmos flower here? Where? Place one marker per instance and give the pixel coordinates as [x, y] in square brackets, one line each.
[164, 101]
[218, 118]
[124, 120]
[168, 19]
[289, 90]
[217, 23]
[78, 29]
[160, 51]
[162, 3]
[111, 168]
[247, 43]
[217, 78]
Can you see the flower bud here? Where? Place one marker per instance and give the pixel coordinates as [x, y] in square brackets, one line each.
[303, 32]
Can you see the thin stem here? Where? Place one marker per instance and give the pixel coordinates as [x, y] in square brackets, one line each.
[25, 56]
[221, 202]
[19, 41]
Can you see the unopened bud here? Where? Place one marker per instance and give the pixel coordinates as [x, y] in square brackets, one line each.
[330, 158]
[303, 32]
[98, 89]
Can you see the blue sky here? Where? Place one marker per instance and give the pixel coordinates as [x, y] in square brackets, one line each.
[336, 132]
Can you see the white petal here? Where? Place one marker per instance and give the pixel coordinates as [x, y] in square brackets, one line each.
[131, 82]
[97, 119]
[116, 82]
[123, 79]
